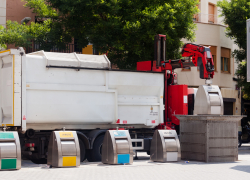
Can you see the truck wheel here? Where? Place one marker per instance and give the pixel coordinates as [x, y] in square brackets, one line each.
[82, 150]
[95, 154]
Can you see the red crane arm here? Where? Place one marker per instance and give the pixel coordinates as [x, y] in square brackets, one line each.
[202, 57]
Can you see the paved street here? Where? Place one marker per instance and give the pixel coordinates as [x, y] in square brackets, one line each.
[141, 169]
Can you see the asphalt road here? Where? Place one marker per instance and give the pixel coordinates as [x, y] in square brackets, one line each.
[141, 169]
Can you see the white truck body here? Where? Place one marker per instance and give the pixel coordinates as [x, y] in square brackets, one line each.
[46, 91]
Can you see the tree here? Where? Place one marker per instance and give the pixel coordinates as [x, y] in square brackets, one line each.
[126, 28]
[235, 13]
[16, 33]
[46, 34]
[123, 28]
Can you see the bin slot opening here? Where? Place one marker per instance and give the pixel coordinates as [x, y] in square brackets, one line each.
[67, 139]
[121, 140]
[213, 93]
[7, 140]
[122, 146]
[67, 142]
[169, 138]
[171, 145]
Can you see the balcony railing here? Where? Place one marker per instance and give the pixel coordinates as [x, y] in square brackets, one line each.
[206, 18]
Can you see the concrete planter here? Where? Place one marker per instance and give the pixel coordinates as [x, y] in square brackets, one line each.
[209, 138]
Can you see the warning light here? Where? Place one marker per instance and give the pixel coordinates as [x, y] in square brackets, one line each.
[29, 144]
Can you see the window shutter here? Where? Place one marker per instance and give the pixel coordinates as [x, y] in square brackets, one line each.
[211, 13]
[225, 52]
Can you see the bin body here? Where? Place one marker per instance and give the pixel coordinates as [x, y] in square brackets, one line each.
[209, 138]
[64, 150]
[165, 146]
[10, 151]
[117, 147]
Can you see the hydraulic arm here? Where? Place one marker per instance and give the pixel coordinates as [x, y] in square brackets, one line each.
[200, 56]
[175, 96]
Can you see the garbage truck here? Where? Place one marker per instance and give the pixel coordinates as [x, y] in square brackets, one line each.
[45, 91]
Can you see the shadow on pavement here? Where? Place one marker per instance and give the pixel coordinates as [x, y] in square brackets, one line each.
[115, 165]
[242, 168]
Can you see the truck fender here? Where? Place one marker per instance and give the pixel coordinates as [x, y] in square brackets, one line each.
[84, 138]
[94, 134]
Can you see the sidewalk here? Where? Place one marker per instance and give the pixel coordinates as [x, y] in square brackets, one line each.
[141, 169]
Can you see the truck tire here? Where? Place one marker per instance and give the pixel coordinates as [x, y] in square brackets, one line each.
[95, 154]
[82, 150]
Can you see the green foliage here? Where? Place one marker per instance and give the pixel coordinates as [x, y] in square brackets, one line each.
[126, 28]
[2, 44]
[123, 28]
[15, 34]
[46, 35]
[235, 13]
[40, 8]
[242, 82]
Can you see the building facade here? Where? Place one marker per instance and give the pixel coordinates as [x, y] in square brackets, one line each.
[3, 13]
[15, 11]
[211, 32]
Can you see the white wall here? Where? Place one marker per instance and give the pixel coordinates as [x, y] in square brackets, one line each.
[3, 13]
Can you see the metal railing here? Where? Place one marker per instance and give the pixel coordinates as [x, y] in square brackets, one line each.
[206, 18]
[69, 48]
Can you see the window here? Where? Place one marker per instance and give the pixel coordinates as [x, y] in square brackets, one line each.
[211, 13]
[196, 17]
[225, 60]
[214, 59]
[225, 64]
[213, 50]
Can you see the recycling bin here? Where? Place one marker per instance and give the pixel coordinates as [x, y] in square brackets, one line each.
[10, 151]
[165, 146]
[64, 150]
[117, 147]
[208, 100]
